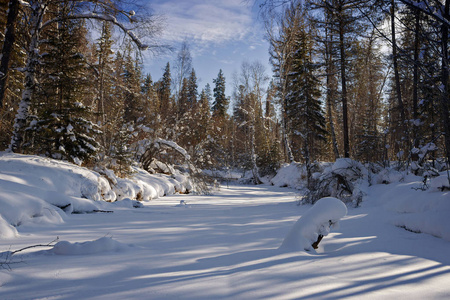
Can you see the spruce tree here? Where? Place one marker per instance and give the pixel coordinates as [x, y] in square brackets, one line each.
[304, 108]
[165, 101]
[192, 89]
[221, 101]
[60, 128]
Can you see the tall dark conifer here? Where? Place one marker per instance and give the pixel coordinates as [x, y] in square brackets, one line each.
[221, 101]
[60, 128]
[303, 107]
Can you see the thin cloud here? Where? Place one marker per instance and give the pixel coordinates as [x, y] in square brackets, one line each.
[205, 21]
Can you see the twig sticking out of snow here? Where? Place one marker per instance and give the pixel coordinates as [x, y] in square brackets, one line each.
[6, 264]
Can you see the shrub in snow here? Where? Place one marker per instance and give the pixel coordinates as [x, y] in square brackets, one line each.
[169, 158]
[315, 224]
[344, 179]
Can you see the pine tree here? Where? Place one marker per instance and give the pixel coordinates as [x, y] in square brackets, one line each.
[221, 101]
[183, 99]
[151, 103]
[165, 100]
[192, 88]
[303, 105]
[60, 128]
[201, 131]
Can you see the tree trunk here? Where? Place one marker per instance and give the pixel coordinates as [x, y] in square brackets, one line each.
[445, 99]
[415, 156]
[255, 172]
[331, 88]
[397, 75]
[10, 37]
[344, 88]
[37, 13]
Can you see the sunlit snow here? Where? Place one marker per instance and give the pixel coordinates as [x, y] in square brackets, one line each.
[220, 246]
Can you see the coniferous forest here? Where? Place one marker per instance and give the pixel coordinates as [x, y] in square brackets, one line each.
[360, 79]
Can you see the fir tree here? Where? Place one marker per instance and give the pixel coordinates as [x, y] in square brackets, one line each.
[165, 101]
[192, 89]
[221, 101]
[60, 128]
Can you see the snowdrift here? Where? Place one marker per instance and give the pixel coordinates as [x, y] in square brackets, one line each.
[99, 246]
[290, 175]
[422, 204]
[42, 190]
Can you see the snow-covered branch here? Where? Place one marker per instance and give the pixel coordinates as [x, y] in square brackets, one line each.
[174, 146]
[102, 17]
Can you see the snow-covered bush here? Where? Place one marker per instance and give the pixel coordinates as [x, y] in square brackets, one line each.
[315, 224]
[167, 157]
[345, 179]
[290, 175]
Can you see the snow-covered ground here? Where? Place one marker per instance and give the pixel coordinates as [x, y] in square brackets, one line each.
[225, 246]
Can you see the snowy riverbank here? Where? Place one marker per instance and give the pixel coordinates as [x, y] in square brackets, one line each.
[222, 246]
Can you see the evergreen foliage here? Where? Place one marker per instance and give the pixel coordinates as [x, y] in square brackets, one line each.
[60, 127]
[221, 101]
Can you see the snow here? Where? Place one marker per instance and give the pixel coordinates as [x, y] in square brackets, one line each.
[440, 183]
[318, 220]
[288, 176]
[99, 246]
[6, 229]
[42, 190]
[416, 210]
[220, 246]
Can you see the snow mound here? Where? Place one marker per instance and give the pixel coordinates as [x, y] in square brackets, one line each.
[18, 208]
[440, 183]
[53, 175]
[102, 245]
[35, 189]
[6, 230]
[318, 220]
[420, 211]
[387, 176]
[289, 175]
[183, 203]
[128, 203]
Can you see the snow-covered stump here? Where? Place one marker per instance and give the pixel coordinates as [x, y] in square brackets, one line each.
[316, 223]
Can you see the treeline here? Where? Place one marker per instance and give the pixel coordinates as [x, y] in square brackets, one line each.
[352, 78]
[362, 79]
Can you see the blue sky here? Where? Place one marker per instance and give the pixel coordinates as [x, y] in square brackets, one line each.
[221, 35]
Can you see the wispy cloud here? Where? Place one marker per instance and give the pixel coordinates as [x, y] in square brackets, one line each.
[205, 22]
